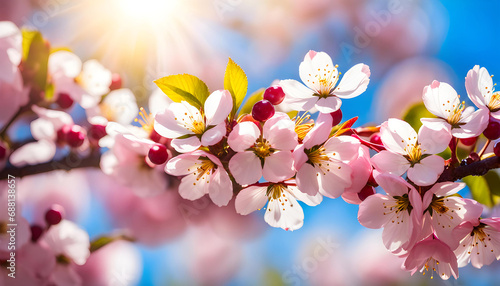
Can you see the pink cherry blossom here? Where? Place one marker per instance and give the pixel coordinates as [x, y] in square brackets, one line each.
[412, 153]
[361, 171]
[481, 91]
[10, 51]
[203, 174]
[479, 242]
[321, 90]
[444, 211]
[119, 106]
[265, 154]
[202, 128]
[322, 162]
[68, 239]
[283, 210]
[85, 83]
[399, 212]
[126, 162]
[444, 102]
[44, 130]
[432, 255]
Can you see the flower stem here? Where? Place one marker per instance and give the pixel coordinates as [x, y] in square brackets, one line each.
[484, 148]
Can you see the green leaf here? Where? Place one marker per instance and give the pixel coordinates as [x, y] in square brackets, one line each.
[236, 82]
[35, 60]
[414, 114]
[49, 92]
[184, 87]
[254, 97]
[484, 189]
[102, 241]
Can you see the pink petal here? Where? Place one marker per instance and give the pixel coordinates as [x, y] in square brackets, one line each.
[191, 188]
[476, 124]
[278, 167]
[354, 82]
[186, 145]
[245, 167]
[342, 148]
[333, 183]
[320, 132]
[250, 199]
[396, 135]
[213, 135]
[33, 153]
[446, 189]
[386, 161]
[288, 216]
[371, 211]
[316, 66]
[473, 88]
[427, 171]
[243, 136]
[391, 184]
[166, 124]
[181, 165]
[220, 187]
[217, 107]
[434, 135]
[307, 180]
[281, 135]
[307, 199]
[299, 157]
[329, 104]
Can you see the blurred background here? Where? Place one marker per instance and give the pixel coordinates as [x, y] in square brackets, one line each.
[406, 43]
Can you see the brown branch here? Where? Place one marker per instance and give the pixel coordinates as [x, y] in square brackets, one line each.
[72, 161]
[478, 168]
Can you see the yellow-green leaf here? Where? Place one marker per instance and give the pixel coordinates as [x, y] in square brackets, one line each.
[236, 82]
[254, 97]
[484, 189]
[184, 87]
[35, 60]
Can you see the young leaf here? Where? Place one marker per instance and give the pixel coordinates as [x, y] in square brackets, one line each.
[414, 113]
[184, 87]
[236, 82]
[345, 127]
[35, 60]
[484, 189]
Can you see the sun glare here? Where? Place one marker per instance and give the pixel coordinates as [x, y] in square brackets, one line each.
[152, 11]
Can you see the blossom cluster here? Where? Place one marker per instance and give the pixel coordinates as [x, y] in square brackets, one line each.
[271, 151]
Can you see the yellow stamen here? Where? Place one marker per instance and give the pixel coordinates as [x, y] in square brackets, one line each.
[494, 104]
[414, 153]
[303, 125]
[456, 114]
[146, 120]
[262, 147]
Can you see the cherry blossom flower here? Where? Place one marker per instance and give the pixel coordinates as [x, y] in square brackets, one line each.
[481, 91]
[444, 211]
[321, 90]
[322, 166]
[203, 174]
[44, 130]
[10, 51]
[407, 151]
[119, 106]
[69, 240]
[479, 242]
[444, 102]
[127, 163]
[399, 212]
[283, 210]
[205, 127]
[267, 153]
[85, 83]
[432, 255]
[361, 171]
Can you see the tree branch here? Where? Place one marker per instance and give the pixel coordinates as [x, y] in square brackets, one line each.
[72, 161]
[478, 168]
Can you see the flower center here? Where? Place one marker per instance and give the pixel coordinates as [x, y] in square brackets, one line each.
[326, 81]
[303, 125]
[146, 120]
[432, 264]
[402, 204]
[438, 206]
[414, 153]
[274, 191]
[204, 169]
[317, 155]
[478, 232]
[262, 148]
[456, 114]
[193, 122]
[494, 104]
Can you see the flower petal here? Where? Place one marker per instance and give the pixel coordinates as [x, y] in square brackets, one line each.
[245, 167]
[278, 167]
[434, 135]
[186, 145]
[33, 153]
[307, 180]
[220, 187]
[317, 66]
[397, 134]
[329, 104]
[371, 212]
[280, 134]
[213, 135]
[354, 82]
[250, 199]
[288, 216]
[386, 161]
[243, 136]
[427, 171]
[166, 124]
[307, 199]
[217, 107]
[334, 181]
[342, 148]
[298, 96]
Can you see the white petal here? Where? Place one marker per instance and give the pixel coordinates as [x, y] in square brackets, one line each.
[64, 63]
[186, 145]
[121, 105]
[33, 153]
[214, 135]
[307, 199]
[329, 104]
[427, 171]
[220, 187]
[485, 84]
[95, 78]
[278, 167]
[475, 125]
[281, 134]
[181, 165]
[166, 124]
[342, 148]
[243, 136]
[333, 182]
[288, 214]
[317, 66]
[440, 98]
[245, 167]
[42, 128]
[250, 199]
[158, 101]
[434, 135]
[397, 135]
[297, 95]
[218, 106]
[191, 188]
[354, 82]
[372, 210]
